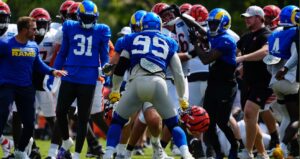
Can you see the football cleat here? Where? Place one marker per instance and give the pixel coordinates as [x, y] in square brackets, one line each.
[6, 146]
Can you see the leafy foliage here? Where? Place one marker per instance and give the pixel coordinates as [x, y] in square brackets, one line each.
[116, 13]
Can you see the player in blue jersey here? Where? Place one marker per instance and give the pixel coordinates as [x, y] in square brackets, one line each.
[19, 57]
[221, 58]
[147, 55]
[282, 47]
[84, 47]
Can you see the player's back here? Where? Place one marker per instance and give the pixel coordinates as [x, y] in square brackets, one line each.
[150, 46]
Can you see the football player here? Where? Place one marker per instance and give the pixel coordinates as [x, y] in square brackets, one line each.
[221, 57]
[84, 43]
[185, 8]
[271, 16]
[147, 55]
[6, 30]
[282, 47]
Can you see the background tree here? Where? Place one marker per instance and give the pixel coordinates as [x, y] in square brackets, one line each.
[116, 13]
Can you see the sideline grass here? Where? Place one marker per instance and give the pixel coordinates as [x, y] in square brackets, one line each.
[44, 147]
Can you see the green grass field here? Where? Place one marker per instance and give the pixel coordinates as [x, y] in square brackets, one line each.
[44, 146]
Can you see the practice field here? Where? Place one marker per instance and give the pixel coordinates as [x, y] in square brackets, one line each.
[44, 146]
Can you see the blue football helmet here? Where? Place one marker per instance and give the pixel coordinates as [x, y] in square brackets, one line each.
[297, 18]
[219, 21]
[135, 20]
[151, 21]
[87, 14]
[287, 15]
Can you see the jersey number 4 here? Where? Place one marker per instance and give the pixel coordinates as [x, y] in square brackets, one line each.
[145, 42]
[83, 48]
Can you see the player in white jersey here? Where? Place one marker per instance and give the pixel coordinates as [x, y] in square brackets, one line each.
[6, 30]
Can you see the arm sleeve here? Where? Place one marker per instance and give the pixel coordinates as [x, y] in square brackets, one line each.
[104, 49]
[63, 52]
[293, 60]
[177, 72]
[116, 82]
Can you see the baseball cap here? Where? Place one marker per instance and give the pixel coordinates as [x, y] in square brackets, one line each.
[254, 11]
[124, 31]
[271, 60]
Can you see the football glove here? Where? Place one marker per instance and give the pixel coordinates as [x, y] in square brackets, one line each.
[114, 97]
[108, 69]
[184, 104]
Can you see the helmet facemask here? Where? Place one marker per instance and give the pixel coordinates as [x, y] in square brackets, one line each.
[4, 20]
[42, 27]
[214, 27]
[87, 21]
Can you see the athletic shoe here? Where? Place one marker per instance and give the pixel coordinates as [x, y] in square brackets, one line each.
[29, 146]
[95, 152]
[21, 155]
[61, 153]
[159, 153]
[126, 155]
[7, 146]
[196, 149]
[138, 150]
[245, 154]
[50, 157]
[262, 156]
[175, 151]
[232, 154]
[35, 153]
[187, 156]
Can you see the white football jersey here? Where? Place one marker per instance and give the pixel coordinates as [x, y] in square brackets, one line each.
[59, 36]
[12, 30]
[46, 47]
[55, 25]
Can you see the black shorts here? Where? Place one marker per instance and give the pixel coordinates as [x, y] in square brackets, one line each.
[256, 94]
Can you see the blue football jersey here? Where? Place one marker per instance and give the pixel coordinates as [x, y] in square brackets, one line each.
[151, 45]
[226, 45]
[82, 51]
[223, 68]
[280, 42]
[17, 61]
[119, 46]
